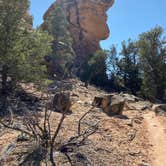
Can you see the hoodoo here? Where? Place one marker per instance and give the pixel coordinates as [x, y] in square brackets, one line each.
[87, 23]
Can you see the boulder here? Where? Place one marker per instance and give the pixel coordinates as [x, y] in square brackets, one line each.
[115, 105]
[130, 98]
[97, 102]
[110, 104]
[61, 102]
[159, 109]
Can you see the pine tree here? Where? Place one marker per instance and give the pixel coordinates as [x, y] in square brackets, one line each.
[129, 67]
[152, 52]
[21, 48]
[62, 56]
[95, 69]
[112, 68]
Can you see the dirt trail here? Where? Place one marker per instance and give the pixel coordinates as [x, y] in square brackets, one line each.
[157, 137]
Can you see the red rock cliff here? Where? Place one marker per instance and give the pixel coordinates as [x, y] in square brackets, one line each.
[87, 23]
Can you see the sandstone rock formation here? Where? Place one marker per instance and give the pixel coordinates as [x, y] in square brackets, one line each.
[87, 23]
[110, 104]
[62, 102]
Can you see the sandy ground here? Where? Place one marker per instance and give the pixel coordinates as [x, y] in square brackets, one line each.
[136, 140]
[157, 137]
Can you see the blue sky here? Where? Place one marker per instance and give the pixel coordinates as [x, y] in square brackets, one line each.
[126, 19]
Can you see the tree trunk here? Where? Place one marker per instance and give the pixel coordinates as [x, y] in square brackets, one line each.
[4, 89]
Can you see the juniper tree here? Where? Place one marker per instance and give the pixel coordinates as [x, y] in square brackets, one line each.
[112, 68]
[21, 47]
[128, 66]
[56, 25]
[95, 69]
[152, 54]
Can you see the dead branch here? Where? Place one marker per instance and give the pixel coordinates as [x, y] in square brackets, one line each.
[80, 120]
[15, 127]
[45, 137]
[89, 132]
[80, 139]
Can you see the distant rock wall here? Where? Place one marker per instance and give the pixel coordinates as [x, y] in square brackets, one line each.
[87, 23]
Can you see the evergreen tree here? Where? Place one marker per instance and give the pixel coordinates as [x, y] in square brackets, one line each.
[112, 68]
[95, 69]
[27, 57]
[112, 60]
[123, 69]
[21, 47]
[152, 52]
[141, 66]
[62, 56]
[129, 67]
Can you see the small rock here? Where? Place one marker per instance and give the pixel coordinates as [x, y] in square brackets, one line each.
[74, 95]
[131, 135]
[135, 153]
[108, 137]
[22, 137]
[80, 102]
[87, 103]
[130, 122]
[159, 108]
[129, 97]
[144, 164]
[137, 121]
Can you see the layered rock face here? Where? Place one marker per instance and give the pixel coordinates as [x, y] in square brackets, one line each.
[87, 23]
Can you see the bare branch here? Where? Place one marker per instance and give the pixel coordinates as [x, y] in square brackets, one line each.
[16, 128]
[58, 128]
[80, 120]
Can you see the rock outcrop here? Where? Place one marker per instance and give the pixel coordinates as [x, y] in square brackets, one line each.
[110, 104]
[87, 23]
[62, 103]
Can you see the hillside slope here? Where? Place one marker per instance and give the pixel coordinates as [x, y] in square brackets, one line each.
[119, 141]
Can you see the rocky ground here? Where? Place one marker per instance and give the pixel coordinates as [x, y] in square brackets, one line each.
[126, 140]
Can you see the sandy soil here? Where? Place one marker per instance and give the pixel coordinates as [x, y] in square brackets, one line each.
[118, 142]
[157, 137]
